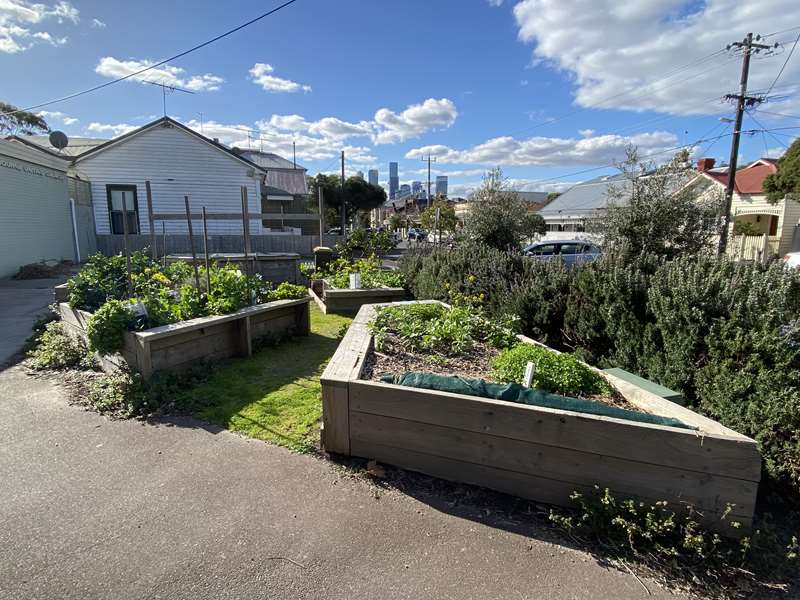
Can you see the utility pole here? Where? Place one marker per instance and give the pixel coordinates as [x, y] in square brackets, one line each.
[344, 205]
[429, 159]
[748, 48]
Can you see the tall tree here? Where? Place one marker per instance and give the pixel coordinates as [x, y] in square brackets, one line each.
[447, 216]
[498, 217]
[786, 182]
[14, 121]
[658, 211]
[358, 195]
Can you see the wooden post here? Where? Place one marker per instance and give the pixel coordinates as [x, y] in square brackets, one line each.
[151, 222]
[743, 239]
[125, 240]
[321, 217]
[764, 249]
[245, 223]
[164, 239]
[191, 243]
[205, 250]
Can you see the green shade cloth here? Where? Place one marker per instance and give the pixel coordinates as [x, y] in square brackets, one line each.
[513, 392]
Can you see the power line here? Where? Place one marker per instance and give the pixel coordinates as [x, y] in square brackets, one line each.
[153, 66]
[786, 62]
[638, 91]
[750, 114]
[781, 31]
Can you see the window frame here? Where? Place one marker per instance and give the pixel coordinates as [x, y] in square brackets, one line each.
[123, 187]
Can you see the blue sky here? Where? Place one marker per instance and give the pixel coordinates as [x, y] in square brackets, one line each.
[473, 82]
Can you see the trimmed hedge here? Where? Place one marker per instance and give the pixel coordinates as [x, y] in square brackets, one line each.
[727, 335]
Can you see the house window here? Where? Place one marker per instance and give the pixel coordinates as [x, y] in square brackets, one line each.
[115, 194]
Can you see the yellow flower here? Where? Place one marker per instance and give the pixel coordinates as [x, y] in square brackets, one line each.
[471, 278]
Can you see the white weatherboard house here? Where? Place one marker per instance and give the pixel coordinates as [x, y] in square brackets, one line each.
[178, 162]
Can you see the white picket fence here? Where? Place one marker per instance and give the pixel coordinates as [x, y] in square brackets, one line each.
[755, 248]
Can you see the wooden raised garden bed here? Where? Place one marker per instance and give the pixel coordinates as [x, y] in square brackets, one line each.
[186, 343]
[537, 453]
[337, 300]
[275, 267]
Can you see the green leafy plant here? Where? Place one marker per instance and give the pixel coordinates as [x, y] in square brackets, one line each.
[56, 349]
[286, 291]
[437, 328]
[652, 533]
[554, 372]
[121, 393]
[365, 243]
[372, 276]
[107, 326]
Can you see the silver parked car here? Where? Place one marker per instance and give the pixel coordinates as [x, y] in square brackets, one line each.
[572, 252]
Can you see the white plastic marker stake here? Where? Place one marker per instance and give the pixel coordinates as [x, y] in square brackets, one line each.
[530, 369]
[355, 281]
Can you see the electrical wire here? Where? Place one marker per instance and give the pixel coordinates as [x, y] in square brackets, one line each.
[786, 62]
[750, 114]
[153, 66]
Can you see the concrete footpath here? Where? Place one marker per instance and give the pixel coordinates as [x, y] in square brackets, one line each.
[21, 303]
[98, 509]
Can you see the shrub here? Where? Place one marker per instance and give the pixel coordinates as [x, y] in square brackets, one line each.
[651, 533]
[365, 243]
[372, 276]
[56, 349]
[554, 372]
[107, 326]
[538, 296]
[121, 393]
[286, 291]
[470, 269]
[105, 277]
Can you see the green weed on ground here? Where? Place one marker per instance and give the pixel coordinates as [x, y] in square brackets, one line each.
[275, 395]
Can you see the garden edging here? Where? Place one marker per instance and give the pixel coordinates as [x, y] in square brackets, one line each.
[338, 300]
[533, 452]
[211, 338]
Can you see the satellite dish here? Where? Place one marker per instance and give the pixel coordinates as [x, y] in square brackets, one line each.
[59, 139]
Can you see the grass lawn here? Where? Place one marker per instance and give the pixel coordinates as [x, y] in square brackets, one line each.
[275, 395]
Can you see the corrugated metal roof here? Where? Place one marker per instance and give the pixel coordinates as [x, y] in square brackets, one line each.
[77, 145]
[585, 198]
[268, 160]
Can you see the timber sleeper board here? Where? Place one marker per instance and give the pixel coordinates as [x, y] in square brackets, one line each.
[534, 452]
[338, 300]
[182, 344]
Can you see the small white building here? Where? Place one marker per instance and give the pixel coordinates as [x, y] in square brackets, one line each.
[178, 162]
[36, 216]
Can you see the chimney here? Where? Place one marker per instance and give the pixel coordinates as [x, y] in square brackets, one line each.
[705, 164]
[216, 140]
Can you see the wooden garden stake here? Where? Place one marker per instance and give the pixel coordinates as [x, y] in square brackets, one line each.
[125, 240]
[205, 249]
[153, 249]
[164, 238]
[191, 243]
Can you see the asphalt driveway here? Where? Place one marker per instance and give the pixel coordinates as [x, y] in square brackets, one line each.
[92, 508]
[21, 303]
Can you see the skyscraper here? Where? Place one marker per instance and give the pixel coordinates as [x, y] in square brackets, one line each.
[373, 176]
[360, 174]
[416, 187]
[441, 185]
[394, 181]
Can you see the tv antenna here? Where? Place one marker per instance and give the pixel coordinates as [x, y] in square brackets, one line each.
[164, 87]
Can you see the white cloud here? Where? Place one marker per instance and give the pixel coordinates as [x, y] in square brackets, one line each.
[549, 151]
[386, 127]
[17, 17]
[607, 47]
[463, 190]
[98, 24]
[166, 74]
[114, 130]
[413, 121]
[495, 2]
[260, 75]
[523, 82]
[56, 115]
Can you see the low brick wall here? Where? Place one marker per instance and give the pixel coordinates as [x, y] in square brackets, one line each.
[183, 344]
[345, 301]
